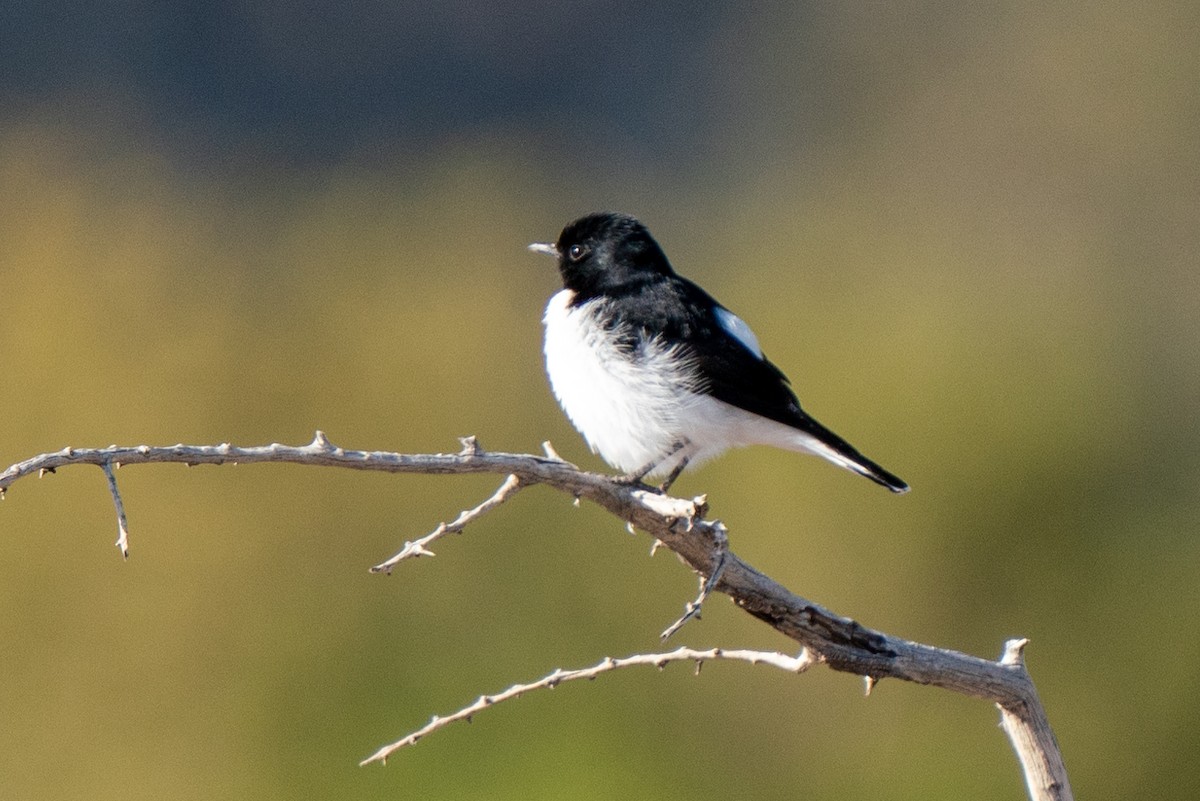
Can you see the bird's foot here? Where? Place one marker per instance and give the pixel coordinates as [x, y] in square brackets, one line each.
[634, 480]
[637, 477]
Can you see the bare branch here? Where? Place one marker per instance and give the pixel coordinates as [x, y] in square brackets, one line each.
[418, 548]
[679, 524]
[1029, 731]
[707, 585]
[793, 664]
[122, 521]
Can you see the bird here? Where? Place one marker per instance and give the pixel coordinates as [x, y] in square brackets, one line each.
[656, 374]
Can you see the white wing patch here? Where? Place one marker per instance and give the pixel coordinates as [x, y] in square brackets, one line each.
[736, 327]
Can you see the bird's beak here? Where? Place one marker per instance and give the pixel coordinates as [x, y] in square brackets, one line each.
[544, 247]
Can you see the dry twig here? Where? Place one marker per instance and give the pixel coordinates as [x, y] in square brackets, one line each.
[793, 664]
[418, 548]
[122, 521]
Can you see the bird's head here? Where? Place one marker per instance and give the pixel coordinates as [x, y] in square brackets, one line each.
[606, 253]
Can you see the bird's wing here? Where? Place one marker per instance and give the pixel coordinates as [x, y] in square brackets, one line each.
[731, 366]
[727, 356]
[737, 373]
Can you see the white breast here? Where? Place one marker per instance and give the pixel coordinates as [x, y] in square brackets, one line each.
[631, 408]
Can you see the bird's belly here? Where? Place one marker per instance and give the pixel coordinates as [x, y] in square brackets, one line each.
[627, 404]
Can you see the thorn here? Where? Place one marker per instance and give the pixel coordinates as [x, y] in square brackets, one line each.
[629, 527]
[470, 446]
[548, 449]
[1014, 652]
[321, 441]
[575, 503]
[869, 683]
[655, 546]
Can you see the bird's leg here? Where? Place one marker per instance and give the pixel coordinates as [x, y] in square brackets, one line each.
[666, 485]
[636, 476]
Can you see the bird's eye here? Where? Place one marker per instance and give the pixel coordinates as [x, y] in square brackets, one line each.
[576, 252]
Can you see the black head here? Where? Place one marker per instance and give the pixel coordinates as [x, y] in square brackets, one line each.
[607, 253]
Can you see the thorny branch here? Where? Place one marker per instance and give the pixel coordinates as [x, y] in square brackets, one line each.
[417, 548]
[122, 521]
[839, 642]
[794, 664]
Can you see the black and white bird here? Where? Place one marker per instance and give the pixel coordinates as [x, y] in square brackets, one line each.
[655, 373]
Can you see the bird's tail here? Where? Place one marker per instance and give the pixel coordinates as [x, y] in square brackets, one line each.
[817, 439]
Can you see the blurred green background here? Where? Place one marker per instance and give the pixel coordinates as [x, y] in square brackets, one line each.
[968, 234]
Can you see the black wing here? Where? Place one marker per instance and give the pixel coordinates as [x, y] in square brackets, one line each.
[680, 311]
[676, 310]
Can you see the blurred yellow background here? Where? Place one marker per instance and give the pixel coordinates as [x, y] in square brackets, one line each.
[968, 235]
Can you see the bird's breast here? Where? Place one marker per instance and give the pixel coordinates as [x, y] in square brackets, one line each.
[624, 390]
